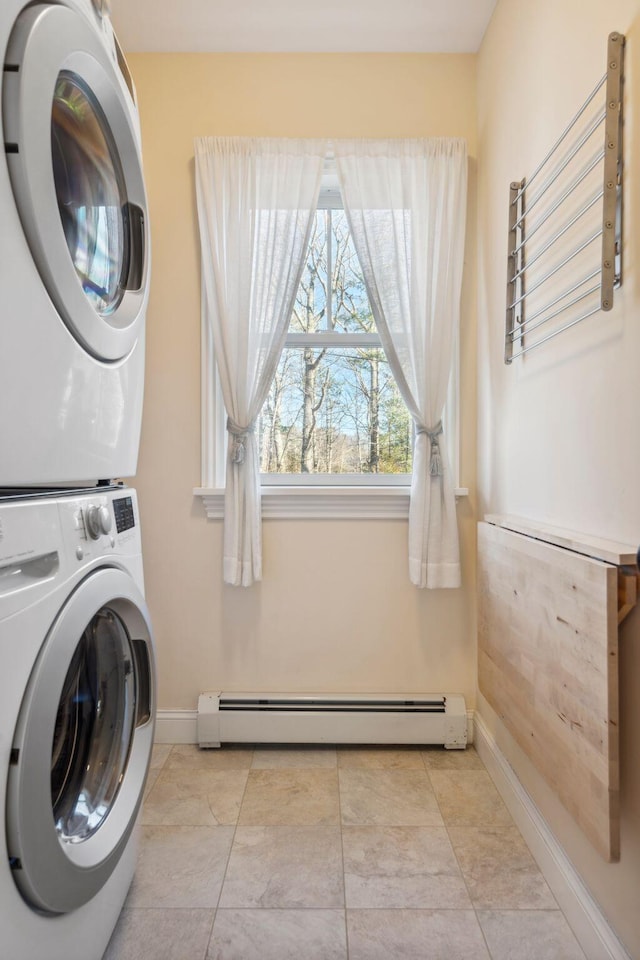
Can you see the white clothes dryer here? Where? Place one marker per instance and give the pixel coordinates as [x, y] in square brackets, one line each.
[74, 248]
[77, 702]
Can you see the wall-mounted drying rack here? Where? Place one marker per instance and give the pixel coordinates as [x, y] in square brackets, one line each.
[565, 222]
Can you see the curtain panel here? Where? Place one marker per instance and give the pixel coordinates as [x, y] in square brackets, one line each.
[256, 198]
[405, 201]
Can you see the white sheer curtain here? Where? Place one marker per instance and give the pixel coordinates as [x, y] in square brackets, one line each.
[256, 198]
[406, 203]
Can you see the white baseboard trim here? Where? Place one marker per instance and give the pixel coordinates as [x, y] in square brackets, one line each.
[583, 914]
[180, 726]
[470, 725]
[176, 726]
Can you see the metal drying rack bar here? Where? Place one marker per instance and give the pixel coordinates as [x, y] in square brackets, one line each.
[579, 200]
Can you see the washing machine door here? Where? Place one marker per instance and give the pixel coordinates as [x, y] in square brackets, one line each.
[82, 745]
[75, 166]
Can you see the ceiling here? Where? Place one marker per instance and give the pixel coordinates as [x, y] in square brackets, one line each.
[279, 26]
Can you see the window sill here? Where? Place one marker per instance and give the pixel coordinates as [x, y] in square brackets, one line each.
[319, 503]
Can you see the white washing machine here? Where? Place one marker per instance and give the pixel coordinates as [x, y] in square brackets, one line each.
[77, 699]
[74, 248]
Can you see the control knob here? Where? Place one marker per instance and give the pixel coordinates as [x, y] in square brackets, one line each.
[98, 521]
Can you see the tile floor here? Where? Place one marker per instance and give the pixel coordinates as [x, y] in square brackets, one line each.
[331, 853]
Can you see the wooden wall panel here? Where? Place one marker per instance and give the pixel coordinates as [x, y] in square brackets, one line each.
[548, 665]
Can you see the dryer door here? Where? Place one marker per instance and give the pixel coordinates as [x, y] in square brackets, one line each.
[74, 160]
[82, 745]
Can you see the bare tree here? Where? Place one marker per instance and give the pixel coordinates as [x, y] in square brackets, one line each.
[314, 389]
[275, 437]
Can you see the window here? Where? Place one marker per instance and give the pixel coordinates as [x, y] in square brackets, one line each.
[334, 408]
[335, 436]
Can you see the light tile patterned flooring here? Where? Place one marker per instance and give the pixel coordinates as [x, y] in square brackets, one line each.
[328, 853]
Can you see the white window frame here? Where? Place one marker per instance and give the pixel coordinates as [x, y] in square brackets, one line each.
[313, 496]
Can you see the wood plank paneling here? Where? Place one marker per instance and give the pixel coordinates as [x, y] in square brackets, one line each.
[548, 665]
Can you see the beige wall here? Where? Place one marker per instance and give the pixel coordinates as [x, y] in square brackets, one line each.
[558, 432]
[335, 610]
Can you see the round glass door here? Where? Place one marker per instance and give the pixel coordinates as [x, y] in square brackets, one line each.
[89, 185]
[94, 728]
[73, 154]
[82, 745]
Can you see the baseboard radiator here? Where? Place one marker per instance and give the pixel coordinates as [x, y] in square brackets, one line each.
[332, 718]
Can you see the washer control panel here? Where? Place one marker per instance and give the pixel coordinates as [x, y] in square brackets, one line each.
[49, 535]
[100, 524]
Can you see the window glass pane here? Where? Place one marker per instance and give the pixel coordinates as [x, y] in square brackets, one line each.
[89, 188]
[335, 411]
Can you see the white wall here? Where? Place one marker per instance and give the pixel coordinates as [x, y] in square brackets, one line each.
[557, 430]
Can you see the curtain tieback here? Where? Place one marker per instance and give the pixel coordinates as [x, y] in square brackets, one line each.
[435, 460]
[239, 437]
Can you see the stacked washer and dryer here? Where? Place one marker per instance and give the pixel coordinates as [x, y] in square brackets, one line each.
[77, 669]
